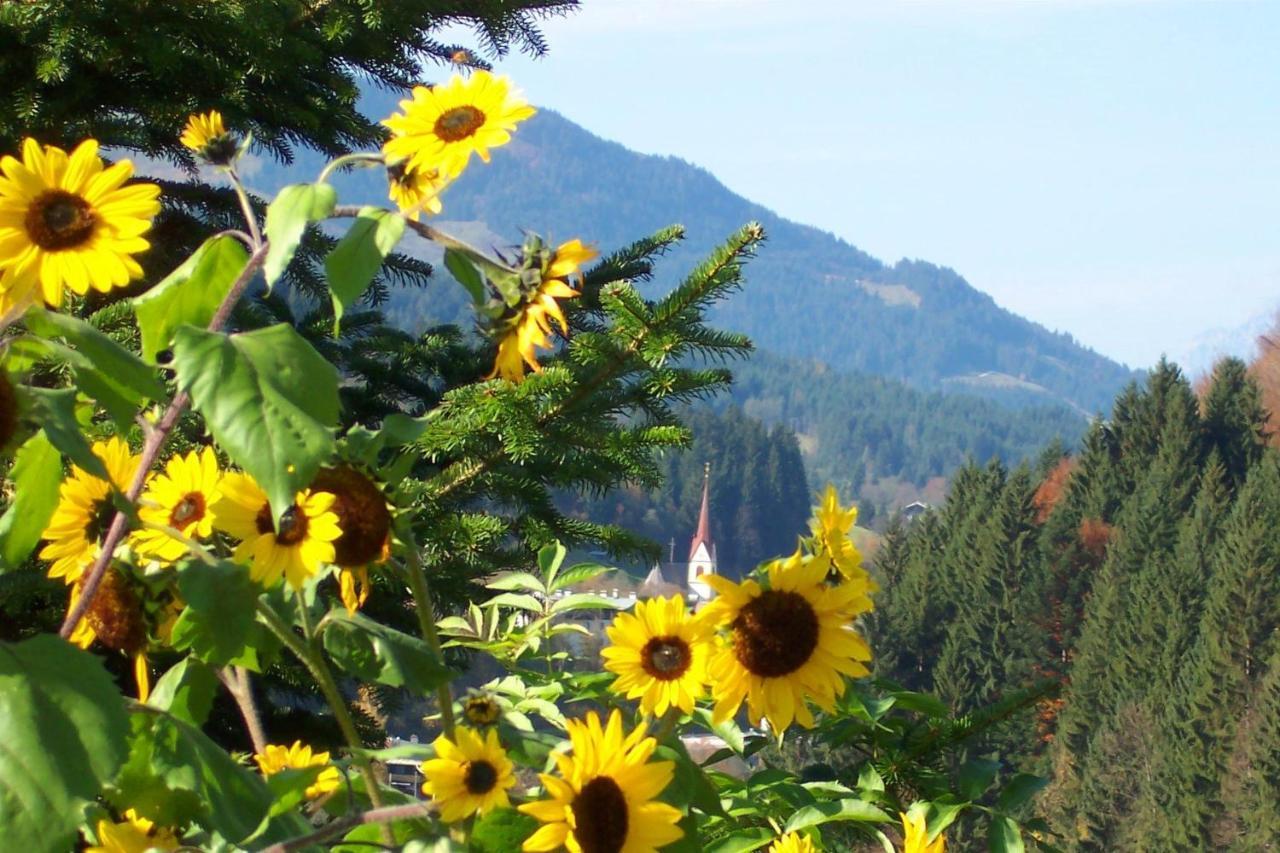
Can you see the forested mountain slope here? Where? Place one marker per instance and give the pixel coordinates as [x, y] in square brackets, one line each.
[1143, 575]
[810, 294]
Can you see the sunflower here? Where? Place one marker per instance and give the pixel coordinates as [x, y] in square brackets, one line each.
[831, 524]
[208, 138]
[469, 775]
[603, 801]
[660, 655]
[793, 842]
[442, 125]
[415, 190]
[481, 708]
[275, 758]
[296, 551]
[789, 643]
[65, 221]
[115, 617]
[915, 834]
[84, 511]
[181, 498]
[532, 327]
[132, 835]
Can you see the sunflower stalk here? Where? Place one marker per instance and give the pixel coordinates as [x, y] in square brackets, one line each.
[358, 159]
[425, 608]
[304, 648]
[236, 680]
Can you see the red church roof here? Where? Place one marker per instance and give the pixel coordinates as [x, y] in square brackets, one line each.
[703, 536]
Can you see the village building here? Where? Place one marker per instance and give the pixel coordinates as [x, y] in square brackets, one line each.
[688, 578]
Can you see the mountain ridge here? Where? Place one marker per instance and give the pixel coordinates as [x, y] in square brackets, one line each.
[809, 294]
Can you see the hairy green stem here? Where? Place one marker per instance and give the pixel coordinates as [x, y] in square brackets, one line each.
[305, 650]
[425, 608]
[357, 159]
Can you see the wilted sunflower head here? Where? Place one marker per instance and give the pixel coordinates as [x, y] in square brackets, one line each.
[362, 513]
[116, 616]
[522, 319]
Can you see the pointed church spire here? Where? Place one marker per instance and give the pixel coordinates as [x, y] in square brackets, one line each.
[703, 536]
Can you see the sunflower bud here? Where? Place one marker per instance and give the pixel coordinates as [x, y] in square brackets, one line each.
[481, 708]
[210, 140]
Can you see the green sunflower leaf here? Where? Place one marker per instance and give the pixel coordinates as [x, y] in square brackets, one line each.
[63, 735]
[36, 475]
[374, 652]
[122, 368]
[270, 400]
[833, 810]
[54, 409]
[1004, 836]
[466, 273]
[297, 206]
[175, 773]
[217, 623]
[358, 256]
[742, 840]
[186, 691]
[190, 294]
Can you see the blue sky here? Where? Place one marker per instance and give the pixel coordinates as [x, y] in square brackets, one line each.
[1110, 168]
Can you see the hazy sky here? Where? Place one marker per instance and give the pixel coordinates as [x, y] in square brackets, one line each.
[1110, 168]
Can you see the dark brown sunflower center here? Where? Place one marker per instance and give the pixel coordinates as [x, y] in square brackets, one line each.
[666, 658]
[58, 219]
[362, 514]
[480, 777]
[293, 525]
[458, 123]
[482, 711]
[187, 510]
[775, 634]
[600, 812]
[116, 615]
[100, 516]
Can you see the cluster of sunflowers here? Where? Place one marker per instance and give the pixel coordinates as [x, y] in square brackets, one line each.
[69, 222]
[783, 643]
[778, 647]
[179, 512]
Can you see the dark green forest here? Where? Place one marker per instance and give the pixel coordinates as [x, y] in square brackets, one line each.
[882, 441]
[1140, 579]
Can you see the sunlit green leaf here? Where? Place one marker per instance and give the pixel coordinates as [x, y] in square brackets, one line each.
[191, 294]
[358, 256]
[296, 206]
[269, 398]
[375, 652]
[217, 622]
[186, 691]
[54, 409]
[833, 810]
[1004, 836]
[36, 476]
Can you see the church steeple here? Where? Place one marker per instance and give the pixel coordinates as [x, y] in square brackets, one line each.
[703, 536]
[702, 554]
